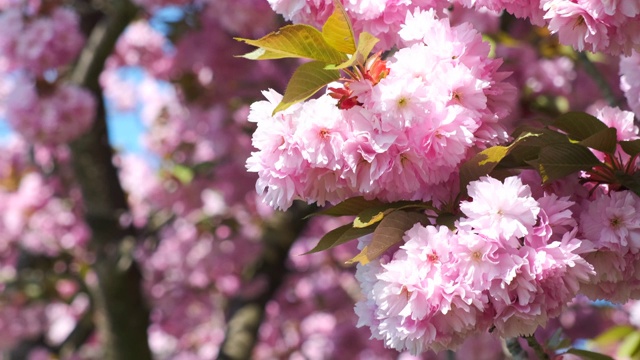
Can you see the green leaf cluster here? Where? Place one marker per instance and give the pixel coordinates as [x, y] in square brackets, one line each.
[329, 50]
[562, 148]
[624, 338]
[386, 221]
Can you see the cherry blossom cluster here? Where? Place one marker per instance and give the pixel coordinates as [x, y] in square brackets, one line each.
[312, 315]
[416, 124]
[39, 42]
[196, 261]
[610, 223]
[509, 266]
[188, 122]
[520, 254]
[187, 133]
[46, 113]
[591, 25]
[141, 45]
[594, 25]
[521, 251]
[630, 80]
[37, 213]
[40, 218]
[383, 19]
[41, 222]
[19, 320]
[549, 77]
[53, 322]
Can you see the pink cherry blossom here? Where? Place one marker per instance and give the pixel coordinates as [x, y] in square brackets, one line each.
[613, 221]
[403, 140]
[49, 114]
[629, 80]
[500, 210]
[46, 42]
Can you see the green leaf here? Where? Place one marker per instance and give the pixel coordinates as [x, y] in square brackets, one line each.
[351, 206]
[183, 173]
[447, 220]
[340, 236]
[520, 153]
[604, 140]
[370, 216]
[589, 355]
[366, 42]
[631, 182]
[613, 335]
[631, 147]
[519, 157]
[389, 232]
[630, 346]
[294, 41]
[527, 146]
[306, 81]
[263, 54]
[338, 31]
[579, 125]
[559, 160]
[532, 136]
[480, 165]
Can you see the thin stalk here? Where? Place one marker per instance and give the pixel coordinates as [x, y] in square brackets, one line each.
[535, 345]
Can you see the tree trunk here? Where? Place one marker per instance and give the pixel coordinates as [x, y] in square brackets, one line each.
[122, 317]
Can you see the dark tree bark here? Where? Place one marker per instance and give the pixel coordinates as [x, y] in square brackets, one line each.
[121, 314]
[245, 314]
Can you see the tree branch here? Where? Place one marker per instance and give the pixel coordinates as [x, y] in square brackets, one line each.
[245, 314]
[122, 316]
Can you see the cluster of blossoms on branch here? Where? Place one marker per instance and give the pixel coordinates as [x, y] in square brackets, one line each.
[407, 132]
[427, 119]
[41, 218]
[593, 25]
[630, 80]
[36, 49]
[199, 196]
[494, 252]
[41, 212]
[509, 266]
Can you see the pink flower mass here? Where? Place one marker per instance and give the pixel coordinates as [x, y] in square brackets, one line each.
[442, 286]
[406, 138]
[502, 211]
[443, 179]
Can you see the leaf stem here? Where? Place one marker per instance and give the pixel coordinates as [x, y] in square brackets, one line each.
[535, 345]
